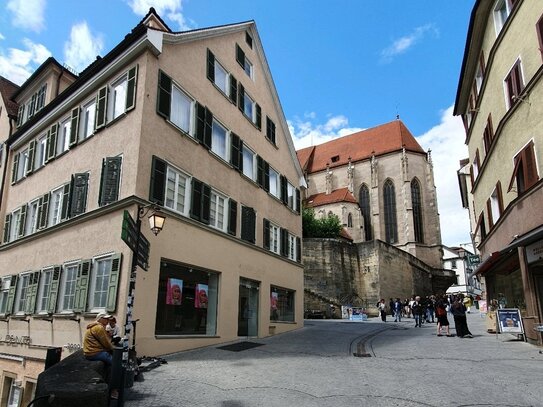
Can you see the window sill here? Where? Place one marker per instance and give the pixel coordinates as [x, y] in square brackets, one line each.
[187, 336]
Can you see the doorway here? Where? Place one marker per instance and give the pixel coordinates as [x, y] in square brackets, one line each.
[248, 307]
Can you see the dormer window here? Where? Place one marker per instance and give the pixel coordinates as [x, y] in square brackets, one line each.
[32, 106]
[335, 158]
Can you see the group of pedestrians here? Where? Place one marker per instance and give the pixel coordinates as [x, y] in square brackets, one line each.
[431, 309]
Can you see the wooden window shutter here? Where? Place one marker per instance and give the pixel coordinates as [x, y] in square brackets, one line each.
[284, 242]
[500, 197]
[82, 285]
[11, 294]
[131, 89]
[298, 250]
[208, 128]
[30, 158]
[210, 66]
[32, 293]
[157, 188]
[164, 97]
[7, 228]
[74, 129]
[258, 117]
[233, 90]
[110, 180]
[52, 135]
[22, 221]
[113, 282]
[101, 105]
[65, 210]
[241, 97]
[489, 210]
[266, 176]
[539, 29]
[530, 165]
[284, 189]
[248, 223]
[232, 216]
[43, 211]
[260, 171]
[236, 158]
[298, 201]
[196, 199]
[206, 203]
[79, 189]
[15, 168]
[249, 40]
[270, 130]
[53, 289]
[200, 122]
[266, 234]
[240, 56]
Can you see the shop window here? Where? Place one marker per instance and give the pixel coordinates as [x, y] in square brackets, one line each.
[281, 304]
[187, 301]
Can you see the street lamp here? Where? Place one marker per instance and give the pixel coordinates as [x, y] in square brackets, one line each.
[156, 221]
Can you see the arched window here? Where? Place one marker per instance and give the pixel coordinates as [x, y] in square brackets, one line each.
[391, 227]
[416, 202]
[349, 220]
[330, 214]
[364, 203]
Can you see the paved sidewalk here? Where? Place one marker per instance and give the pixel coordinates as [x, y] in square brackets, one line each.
[315, 366]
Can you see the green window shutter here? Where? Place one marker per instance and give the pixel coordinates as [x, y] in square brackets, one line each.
[65, 214]
[53, 290]
[235, 152]
[248, 223]
[157, 189]
[266, 177]
[206, 203]
[74, 128]
[32, 293]
[210, 66]
[131, 89]
[260, 171]
[31, 155]
[101, 105]
[284, 188]
[208, 129]
[7, 228]
[43, 210]
[284, 242]
[232, 216]
[241, 97]
[266, 234]
[233, 90]
[196, 199]
[113, 282]
[20, 114]
[110, 180]
[240, 56]
[298, 201]
[270, 130]
[79, 189]
[14, 168]
[11, 294]
[52, 135]
[200, 122]
[258, 117]
[22, 222]
[163, 104]
[82, 285]
[298, 250]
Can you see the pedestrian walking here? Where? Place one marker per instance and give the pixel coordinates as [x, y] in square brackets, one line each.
[397, 307]
[430, 308]
[441, 315]
[381, 307]
[458, 310]
[418, 311]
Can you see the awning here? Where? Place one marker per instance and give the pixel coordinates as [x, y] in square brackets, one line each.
[526, 239]
[504, 262]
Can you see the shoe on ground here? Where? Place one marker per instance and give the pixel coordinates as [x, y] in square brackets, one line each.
[439, 335]
[468, 336]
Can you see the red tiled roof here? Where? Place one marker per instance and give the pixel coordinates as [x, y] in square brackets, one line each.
[7, 89]
[359, 146]
[339, 195]
[345, 235]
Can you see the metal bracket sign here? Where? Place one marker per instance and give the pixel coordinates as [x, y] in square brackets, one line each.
[135, 240]
[474, 259]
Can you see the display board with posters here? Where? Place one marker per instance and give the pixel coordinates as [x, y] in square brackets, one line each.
[509, 321]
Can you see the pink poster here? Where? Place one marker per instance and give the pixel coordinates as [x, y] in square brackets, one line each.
[200, 299]
[174, 291]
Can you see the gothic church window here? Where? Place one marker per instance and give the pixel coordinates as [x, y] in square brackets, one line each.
[391, 227]
[364, 202]
[416, 202]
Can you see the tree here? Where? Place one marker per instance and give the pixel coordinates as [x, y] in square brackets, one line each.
[327, 227]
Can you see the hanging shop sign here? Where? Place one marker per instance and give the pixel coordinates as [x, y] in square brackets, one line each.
[534, 252]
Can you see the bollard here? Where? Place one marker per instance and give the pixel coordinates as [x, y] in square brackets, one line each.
[116, 380]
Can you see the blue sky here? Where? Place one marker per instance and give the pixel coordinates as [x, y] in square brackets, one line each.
[339, 66]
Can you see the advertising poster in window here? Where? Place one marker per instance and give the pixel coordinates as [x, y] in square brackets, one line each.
[200, 299]
[510, 321]
[174, 291]
[274, 299]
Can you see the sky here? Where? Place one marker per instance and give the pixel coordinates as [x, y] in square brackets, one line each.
[339, 66]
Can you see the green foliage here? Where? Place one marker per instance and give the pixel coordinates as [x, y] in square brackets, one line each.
[327, 227]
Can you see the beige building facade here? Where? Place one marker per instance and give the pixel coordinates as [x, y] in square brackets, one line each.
[500, 98]
[187, 123]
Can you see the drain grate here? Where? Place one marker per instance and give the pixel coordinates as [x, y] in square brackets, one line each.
[238, 347]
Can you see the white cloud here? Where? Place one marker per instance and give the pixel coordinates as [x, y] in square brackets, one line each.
[170, 9]
[28, 14]
[18, 64]
[82, 47]
[446, 140]
[403, 44]
[2, 37]
[306, 133]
